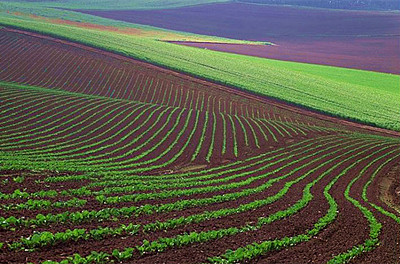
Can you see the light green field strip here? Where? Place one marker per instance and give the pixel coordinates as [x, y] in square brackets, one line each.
[372, 100]
[43, 9]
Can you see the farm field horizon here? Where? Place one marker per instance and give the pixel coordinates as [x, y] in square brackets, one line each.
[318, 36]
[118, 144]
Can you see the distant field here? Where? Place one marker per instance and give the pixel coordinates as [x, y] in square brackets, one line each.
[354, 39]
[258, 22]
[120, 4]
[337, 4]
[159, 4]
[378, 54]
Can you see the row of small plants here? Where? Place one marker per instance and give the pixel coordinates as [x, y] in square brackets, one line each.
[212, 143]
[99, 131]
[253, 132]
[250, 251]
[13, 129]
[44, 204]
[202, 137]
[256, 249]
[113, 176]
[209, 189]
[209, 215]
[178, 193]
[307, 197]
[45, 239]
[109, 213]
[84, 191]
[233, 131]
[82, 161]
[74, 117]
[375, 226]
[110, 163]
[395, 217]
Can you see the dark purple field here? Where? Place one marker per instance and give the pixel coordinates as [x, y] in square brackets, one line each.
[354, 39]
[256, 22]
[373, 54]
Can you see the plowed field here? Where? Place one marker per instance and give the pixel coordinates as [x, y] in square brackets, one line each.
[108, 159]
